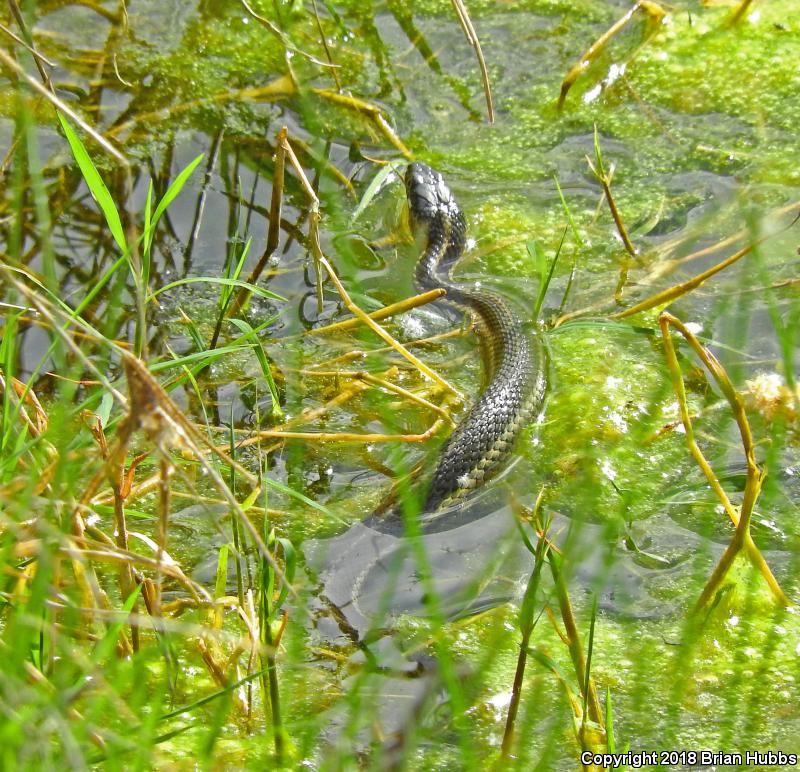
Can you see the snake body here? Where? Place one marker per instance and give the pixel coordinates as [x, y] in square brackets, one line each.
[515, 357]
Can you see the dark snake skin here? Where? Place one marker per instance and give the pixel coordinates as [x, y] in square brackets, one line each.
[515, 357]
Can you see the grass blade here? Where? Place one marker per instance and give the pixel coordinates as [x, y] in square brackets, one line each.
[217, 280]
[374, 187]
[96, 185]
[263, 361]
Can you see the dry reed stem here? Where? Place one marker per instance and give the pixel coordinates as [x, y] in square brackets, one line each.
[153, 411]
[85, 549]
[740, 11]
[375, 327]
[165, 473]
[354, 437]
[84, 576]
[652, 9]
[40, 58]
[472, 37]
[168, 422]
[287, 44]
[667, 266]
[64, 108]
[604, 177]
[571, 639]
[186, 629]
[417, 342]
[115, 470]
[23, 28]
[310, 415]
[48, 311]
[742, 539]
[361, 375]
[574, 641]
[283, 141]
[313, 214]
[372, 112]
[272, 513]
[676, 291]
[382, 313]
[527, 623]
[352, 356]
[25, 395]
[605, 181]
[324, 41]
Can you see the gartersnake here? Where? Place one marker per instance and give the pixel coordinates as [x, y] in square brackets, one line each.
[515, 356]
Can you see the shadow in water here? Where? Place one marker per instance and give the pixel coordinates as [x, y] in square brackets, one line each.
[476, 560]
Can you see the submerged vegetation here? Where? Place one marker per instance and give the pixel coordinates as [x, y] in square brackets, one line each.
[214, 367]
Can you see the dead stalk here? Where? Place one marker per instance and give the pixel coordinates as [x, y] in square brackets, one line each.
[742, 540]
[64, 108]
[382, 313]
[472, 37]
[381, 383]
[527, 623]
[375, 327]
[676, 291]
[28, 43]
[287, 44]
[574, 640]
[372, 112]
[274, 229]
[353, 437]
[604, 178]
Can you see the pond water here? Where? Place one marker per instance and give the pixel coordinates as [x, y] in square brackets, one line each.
[696, 119]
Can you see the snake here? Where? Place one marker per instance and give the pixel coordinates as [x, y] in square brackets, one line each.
[515, 358]
[481, 443]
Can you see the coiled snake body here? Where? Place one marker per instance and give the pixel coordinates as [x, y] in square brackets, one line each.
[515, 357]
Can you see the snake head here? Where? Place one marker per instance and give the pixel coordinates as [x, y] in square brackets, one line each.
[428, 195]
